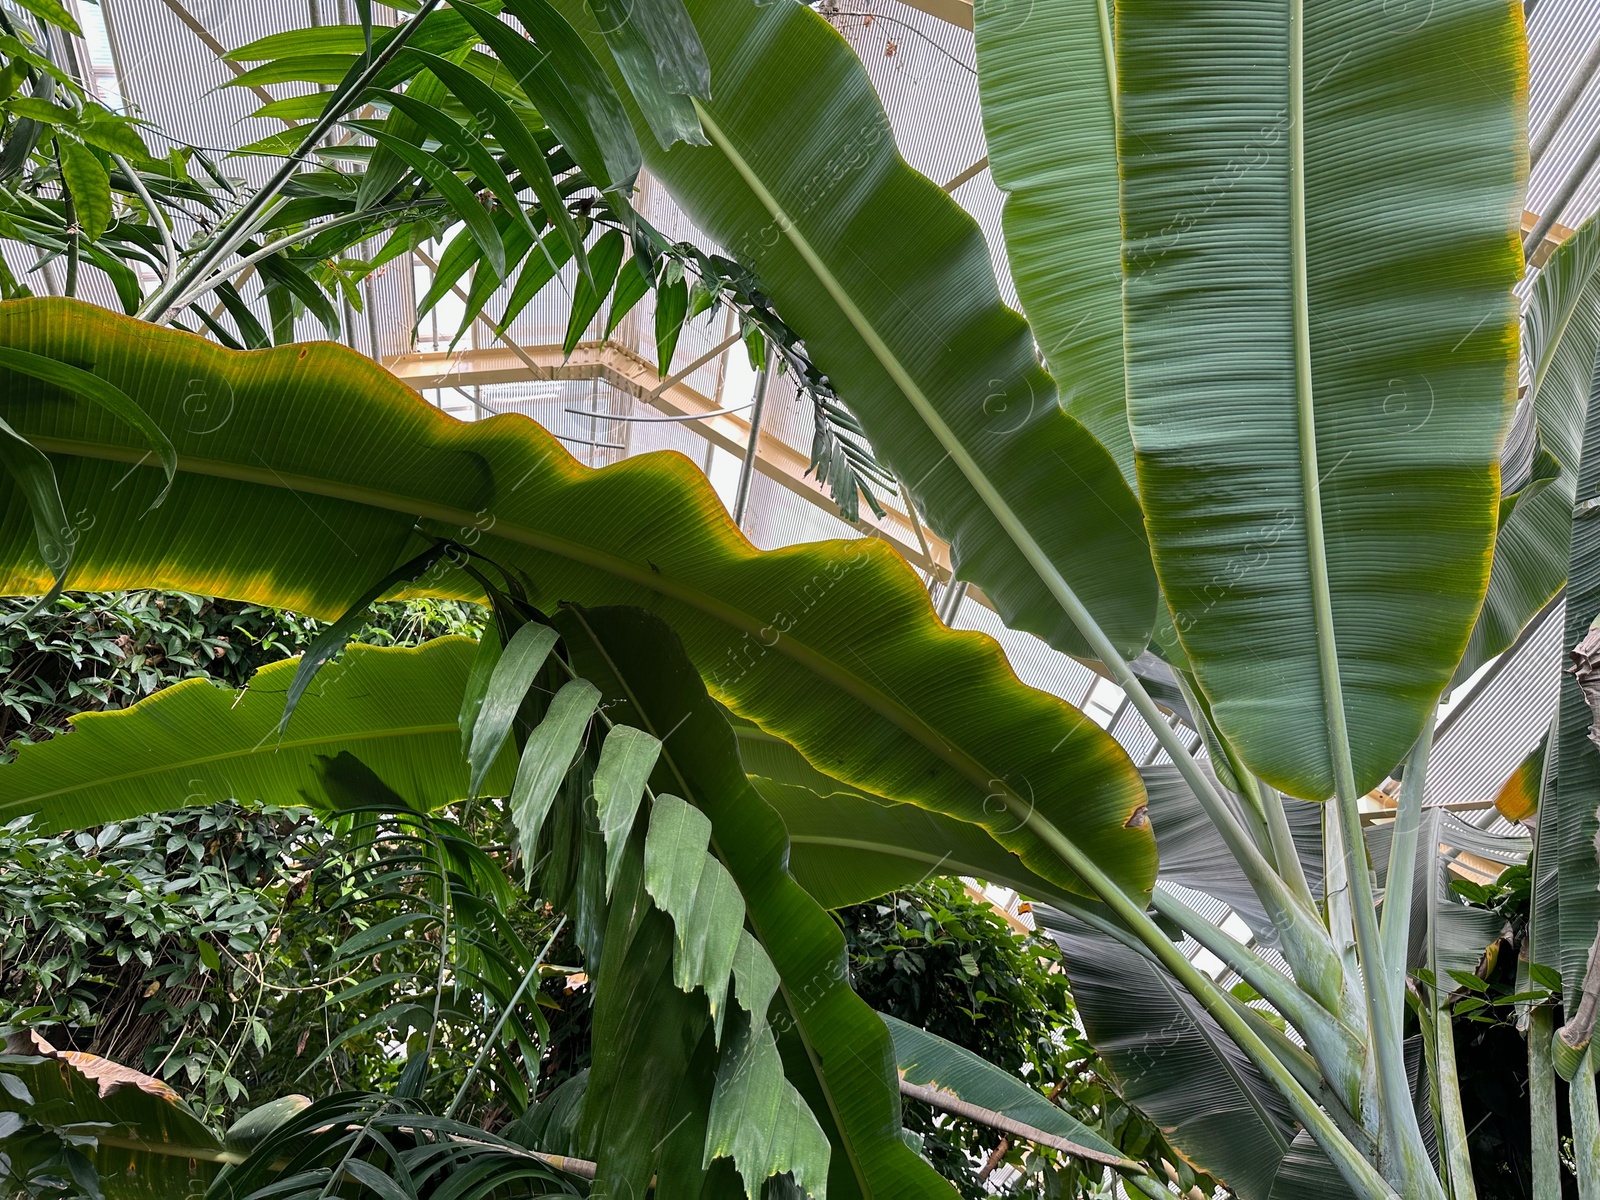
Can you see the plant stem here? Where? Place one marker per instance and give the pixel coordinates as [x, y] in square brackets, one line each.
[1396, 930]
[239, 226]
[1585, 1128]
[1457, 1162]
[1542, 1105]
[69, 213]
[1357, 1171]
[444, 945]
[1284, 851]
[223, 274]
[511, 1007]
[169, 248]
[1335, 1045]
[1407, 1159]
[1223, 755]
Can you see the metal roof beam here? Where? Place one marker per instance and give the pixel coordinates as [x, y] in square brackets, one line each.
[629, 373]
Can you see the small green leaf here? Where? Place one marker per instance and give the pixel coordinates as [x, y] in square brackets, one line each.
[16, 1089]
[208, 955]
[1545, 977]
[632, 284]
[546, 759]
[1470, 981]
[43, 111]
[626, 760]
[512, 677]
[672, 309]
[55, 13]
[90, 186]
[604, 260]
[483, 665]
[112, 133]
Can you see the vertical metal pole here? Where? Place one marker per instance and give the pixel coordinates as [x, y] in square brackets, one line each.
[372, 318]
[747, 471]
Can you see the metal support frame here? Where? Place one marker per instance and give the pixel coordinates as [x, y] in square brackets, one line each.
[1551, 128]
[741, 500]
[630, 373]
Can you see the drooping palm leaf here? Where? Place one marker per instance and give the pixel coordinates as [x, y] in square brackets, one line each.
[638, 664]
[891, 286]
[1306, 393]
[303, 472]
[1171, 1060]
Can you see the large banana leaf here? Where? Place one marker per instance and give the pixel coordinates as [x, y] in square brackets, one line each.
[1562, 325]
[303, 472]
[891, 286]
[1047, 81]
[195, 743]
[1320, 204]
[1568, 823]
[1170, 1059]
[639, 665]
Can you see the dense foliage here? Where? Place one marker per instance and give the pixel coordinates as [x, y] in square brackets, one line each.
[222, 950]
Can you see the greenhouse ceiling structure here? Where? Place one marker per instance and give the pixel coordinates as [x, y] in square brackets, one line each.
[717, 515]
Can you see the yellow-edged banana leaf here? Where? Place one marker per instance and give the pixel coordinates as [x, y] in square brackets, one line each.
[1047, 82]
[1562, 337]
[195, 743]
[304, 471]
[1321, 215]
[891, 286]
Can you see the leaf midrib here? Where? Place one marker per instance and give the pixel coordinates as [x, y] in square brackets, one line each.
[976, 477]
[262, 747]
[788, 644]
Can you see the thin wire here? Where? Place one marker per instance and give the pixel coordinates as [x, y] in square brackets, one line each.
[720, 412]
[872, 18]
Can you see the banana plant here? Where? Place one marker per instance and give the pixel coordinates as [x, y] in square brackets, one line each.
[1313, 417]
[1302, 406]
